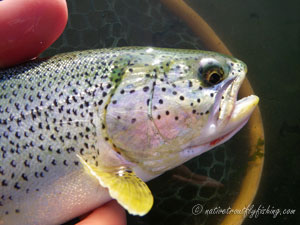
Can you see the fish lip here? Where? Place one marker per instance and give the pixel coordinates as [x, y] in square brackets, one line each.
[239, 117]
[218, 108]
[243, 108]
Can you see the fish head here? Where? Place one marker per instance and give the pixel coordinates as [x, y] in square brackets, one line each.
[174, 105]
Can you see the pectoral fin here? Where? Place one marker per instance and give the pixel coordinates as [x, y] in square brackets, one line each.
[124, 186]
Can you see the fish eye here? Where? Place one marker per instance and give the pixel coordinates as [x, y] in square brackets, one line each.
[211, 75]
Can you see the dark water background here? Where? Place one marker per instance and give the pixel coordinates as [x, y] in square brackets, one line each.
[264, 34]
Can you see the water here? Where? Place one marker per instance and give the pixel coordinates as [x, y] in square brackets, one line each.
[264, 34]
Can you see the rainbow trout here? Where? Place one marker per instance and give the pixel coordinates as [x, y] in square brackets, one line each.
[81, 128]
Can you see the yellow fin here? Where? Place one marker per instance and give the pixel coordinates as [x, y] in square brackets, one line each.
[124, 186]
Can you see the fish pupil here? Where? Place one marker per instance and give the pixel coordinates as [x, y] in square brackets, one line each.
[214, 78]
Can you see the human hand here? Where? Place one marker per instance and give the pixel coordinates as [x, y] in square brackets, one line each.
[27, 28]
[109, 214]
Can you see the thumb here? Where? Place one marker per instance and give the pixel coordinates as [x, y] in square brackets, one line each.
[28, 27]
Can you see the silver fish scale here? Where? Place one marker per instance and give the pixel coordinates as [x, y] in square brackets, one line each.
[48, 113]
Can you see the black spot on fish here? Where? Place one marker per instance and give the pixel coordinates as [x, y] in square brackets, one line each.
[17, 186]
[4, 183]
[146, 88]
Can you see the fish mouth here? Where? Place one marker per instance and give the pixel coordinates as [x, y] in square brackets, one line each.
[241, 112]
[239, 116]
[223, 126]
[229, 114]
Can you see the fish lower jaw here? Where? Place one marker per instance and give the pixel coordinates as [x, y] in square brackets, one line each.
[238, 118]
[242, 110]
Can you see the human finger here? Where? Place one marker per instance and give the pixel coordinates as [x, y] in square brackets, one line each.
[28, 27]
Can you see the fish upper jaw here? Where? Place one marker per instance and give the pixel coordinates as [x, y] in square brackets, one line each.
[223, 106]
[225, 101]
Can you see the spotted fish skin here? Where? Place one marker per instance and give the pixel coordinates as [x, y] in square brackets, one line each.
[48, 114]
[136, 104]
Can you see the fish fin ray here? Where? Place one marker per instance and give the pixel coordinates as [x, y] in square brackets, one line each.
[124, 186]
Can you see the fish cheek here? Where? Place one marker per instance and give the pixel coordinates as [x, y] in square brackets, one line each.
[128, 122]
[171, 110]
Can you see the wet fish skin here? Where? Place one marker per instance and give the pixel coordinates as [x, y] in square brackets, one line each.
[131, 106]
